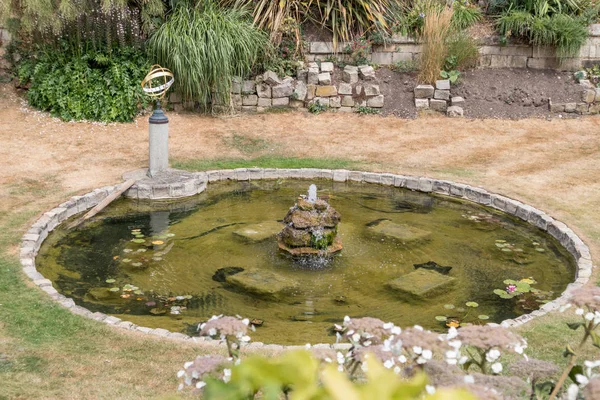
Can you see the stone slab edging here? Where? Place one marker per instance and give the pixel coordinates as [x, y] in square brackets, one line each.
[34, 237]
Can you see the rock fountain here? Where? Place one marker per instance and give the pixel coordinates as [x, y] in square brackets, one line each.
[311, 227]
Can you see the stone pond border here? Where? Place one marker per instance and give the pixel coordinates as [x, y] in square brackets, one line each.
[197, 182]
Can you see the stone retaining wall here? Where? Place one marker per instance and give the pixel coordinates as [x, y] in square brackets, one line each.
[34, 237]
[402, 48]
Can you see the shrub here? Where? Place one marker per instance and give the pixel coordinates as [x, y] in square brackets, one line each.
[405, 66]
[91, 86]
[465, 14]
[359, 51]
[363, 110]
[316, 107]
[463, 51]
[437, 27]
[206, 47]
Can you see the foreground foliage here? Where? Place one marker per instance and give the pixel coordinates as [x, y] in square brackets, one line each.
[93, 86]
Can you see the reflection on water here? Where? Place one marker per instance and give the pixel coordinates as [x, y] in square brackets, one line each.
[172, 265]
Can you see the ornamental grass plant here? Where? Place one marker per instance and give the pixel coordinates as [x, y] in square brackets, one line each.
[437, 27]
[206, 46]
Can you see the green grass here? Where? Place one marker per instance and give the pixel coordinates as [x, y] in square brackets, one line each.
[245, 144]
[265, 162]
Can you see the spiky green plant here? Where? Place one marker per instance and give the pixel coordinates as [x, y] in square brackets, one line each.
[205, 47]
[344, 18]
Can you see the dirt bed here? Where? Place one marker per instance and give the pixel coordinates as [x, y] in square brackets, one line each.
[489, 93]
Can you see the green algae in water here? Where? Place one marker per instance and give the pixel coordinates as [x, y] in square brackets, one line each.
[193, 239]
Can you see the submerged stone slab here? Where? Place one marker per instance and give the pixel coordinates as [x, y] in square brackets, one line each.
[262, 283]
[259, 232]
[421, 284]
[402, 233]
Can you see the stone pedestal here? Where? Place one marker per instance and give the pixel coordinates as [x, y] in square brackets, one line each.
[158, 142]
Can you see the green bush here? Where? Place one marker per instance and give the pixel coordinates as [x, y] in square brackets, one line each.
[206, 47]
[465, 15]
[463, 51]
[89, 86]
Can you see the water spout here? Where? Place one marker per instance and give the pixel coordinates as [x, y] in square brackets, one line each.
[312, 193]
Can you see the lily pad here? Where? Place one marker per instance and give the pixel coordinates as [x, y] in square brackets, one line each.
[157, 258]
[126, 260]
[138, 292]
[141, 250]
[483, 317]
[500, 241]
[137, 264]
[138, 240]
[114, 289]
[170, 235]
[127, 250]
[540, 250]
[449, 306]
[110, 281]
[158, 242]
[471, 304]
[500, 245]
[441, 318]
[506, 250]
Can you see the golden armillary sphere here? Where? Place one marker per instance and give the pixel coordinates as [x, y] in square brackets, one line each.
[157, 82]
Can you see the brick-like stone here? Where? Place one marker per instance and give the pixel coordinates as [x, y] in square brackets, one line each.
[263, 90]
[248, 87]
[455, 111]
[375, 102]
[438, 105]
[350, 74]
[346, 88]
[300, 91]
[271, 78]
[322, 47]
[263, 102]
[324, 78]
[570, 107]
[441, 94]
[422, 104]
[326, 91]
[442, 84]
[457, 101]
[371, 90]
[281, 102]
[310, 91]
[250, 100]
[382, 58]
[340, 175]
[588, 95]
[250, 109]
[347, 101]
[335, 102]
[313, 76]
[283, 90]
[326, 67]
[387, 179]
[366, 72]
[371, 177]
[356, 176]
[582, 108]
[236, 87]
[557, 107]
[424, 92]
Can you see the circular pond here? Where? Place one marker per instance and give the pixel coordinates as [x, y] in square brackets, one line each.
[408, 257]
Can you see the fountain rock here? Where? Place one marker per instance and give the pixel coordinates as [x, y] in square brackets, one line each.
[262, 283]
[421, 284]
[258, 232]
[404, 234]
[311, 227]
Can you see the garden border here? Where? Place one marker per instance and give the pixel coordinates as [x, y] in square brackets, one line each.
[143, 189]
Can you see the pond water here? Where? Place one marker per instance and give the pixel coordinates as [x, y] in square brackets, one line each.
[175, 264]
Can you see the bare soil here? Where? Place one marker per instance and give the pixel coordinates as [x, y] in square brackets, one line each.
[552, 165]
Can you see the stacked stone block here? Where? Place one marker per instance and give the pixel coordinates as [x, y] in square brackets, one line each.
[439, 98]
[589, 103]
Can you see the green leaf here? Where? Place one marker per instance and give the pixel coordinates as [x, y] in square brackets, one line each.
[483, 317]
[575, 325]
[471, 304]
[449, 306]
[138, 240]
[110, 281]
[576, 370]
[568, 351]
[595, 339]
[114, 289]
[441, 318]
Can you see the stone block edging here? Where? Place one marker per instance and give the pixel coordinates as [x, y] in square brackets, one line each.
[33, 238]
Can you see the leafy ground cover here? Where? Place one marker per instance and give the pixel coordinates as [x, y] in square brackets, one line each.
[45, 352]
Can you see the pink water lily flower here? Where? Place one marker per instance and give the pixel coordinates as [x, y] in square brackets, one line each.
[511, 288]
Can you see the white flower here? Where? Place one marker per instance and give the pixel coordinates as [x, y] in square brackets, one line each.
[463, 360]
[469, 379]
[212, 332]
[451, 361]
[418, 327]
[180, 373]
[368, 343]
[340, 368]
[417, 349]
[452, 333]
[340, 358]
[429, 389]
[496, 368]
[388, 325]
[396, 330]
[579, 311]
[364, 367]
[455, 344]
[246, 321]
[582, 380]
[427, 354]
[451, 354]
[200, 384]
[188, 364]
[226, 375]
[328, 360]
[388, 364]
[307, 346]
[245, 338]
[572, 392]
[421, 360]
[346, 319]
[519, 348]
[402, 359]
[589, 316]
[492, 355]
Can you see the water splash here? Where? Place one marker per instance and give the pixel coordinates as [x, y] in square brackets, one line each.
[312, 193]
